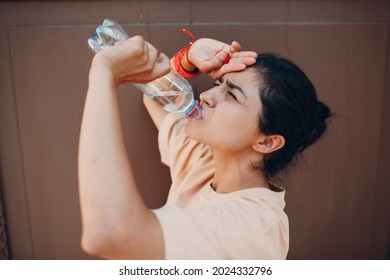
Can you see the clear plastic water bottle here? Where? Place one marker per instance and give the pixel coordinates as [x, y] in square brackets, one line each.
[172, 92]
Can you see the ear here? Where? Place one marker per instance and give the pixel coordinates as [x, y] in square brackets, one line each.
[267, 144]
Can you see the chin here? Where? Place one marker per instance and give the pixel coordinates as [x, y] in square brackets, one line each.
[193, 131]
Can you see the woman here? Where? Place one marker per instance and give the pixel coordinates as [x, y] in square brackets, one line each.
[260, 113]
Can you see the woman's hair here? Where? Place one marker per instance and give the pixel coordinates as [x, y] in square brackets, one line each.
[290, 108]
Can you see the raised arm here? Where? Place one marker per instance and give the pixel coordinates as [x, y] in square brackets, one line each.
[208, 55]
[116, 223]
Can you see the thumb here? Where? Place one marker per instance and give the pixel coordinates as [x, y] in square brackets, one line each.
[215, 63]
[164, 65]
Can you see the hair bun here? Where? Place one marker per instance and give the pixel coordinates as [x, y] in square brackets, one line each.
[323, 111]
[319, 124]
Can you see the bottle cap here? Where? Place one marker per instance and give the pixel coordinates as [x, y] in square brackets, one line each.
[194, 110]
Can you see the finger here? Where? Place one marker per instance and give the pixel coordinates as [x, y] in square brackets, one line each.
[163, 67]
[132, 46]
[235, 47]
[235, 65]
[247, 60]
[144, 61]
[136, 42]
[142, 78]
[158, 70]
[146, 52]
[136, 38]
[140, 60]
[164, 59]
[210, 65]
[228, 68]
[215, 63]
[118, 43]
[245, 53]
[153, 59]
[153, 53]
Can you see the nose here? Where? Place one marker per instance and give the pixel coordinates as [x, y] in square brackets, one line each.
[208, 98]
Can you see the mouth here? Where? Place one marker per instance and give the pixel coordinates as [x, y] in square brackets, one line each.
[198, 116]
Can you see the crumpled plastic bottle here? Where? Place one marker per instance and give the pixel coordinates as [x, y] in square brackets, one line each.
[172, 92]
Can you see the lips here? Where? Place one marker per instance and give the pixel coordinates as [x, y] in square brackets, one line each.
[198, 116]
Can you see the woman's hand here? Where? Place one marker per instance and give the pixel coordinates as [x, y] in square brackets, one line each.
[208, 56]
[133, 60]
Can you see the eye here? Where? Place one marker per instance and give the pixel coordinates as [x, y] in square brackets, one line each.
[216, 83]
[232, 95]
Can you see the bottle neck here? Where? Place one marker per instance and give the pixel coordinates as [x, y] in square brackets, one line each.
[194, 109]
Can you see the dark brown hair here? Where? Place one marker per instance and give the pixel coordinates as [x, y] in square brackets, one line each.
[290, 108]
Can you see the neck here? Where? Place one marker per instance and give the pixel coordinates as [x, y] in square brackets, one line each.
[233, 173]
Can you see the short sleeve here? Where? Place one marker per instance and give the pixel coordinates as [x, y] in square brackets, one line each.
[231, 231]
[178, 151]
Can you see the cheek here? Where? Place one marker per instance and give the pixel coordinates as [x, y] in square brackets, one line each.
[239, 134]
[238, 124]
[224, 133]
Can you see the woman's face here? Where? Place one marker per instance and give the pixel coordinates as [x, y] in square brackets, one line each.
[229, 120]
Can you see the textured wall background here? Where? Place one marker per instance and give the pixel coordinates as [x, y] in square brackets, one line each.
[338, 198]
[4, 255]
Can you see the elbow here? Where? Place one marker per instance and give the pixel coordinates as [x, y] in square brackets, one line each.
[106, 244]
[94, 245]
[100, 244]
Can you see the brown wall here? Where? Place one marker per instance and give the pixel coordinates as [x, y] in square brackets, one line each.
[338, 199]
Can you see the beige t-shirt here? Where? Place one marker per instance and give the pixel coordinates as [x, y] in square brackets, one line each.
[199, 223]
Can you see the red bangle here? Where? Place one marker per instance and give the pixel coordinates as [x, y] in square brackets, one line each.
[177, 60]
[227, 58]
[179, 66]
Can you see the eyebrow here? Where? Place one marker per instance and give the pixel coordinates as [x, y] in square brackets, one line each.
[232, 86]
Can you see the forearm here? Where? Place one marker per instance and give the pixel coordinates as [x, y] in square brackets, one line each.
[156, 112]
[110, 201]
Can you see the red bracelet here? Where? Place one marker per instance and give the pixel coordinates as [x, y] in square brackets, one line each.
[177, 60]
[227, 58]
[179, 66]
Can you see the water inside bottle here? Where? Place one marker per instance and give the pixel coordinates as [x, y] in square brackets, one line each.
[172, 92]
[173, 101]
